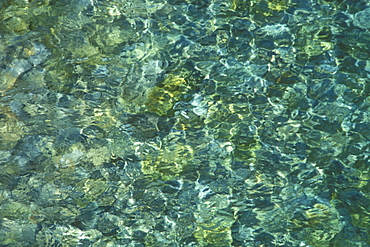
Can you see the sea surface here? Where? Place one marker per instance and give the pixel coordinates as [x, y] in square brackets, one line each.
[200, 123]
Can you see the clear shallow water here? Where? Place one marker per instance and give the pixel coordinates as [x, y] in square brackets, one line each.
[187, 123]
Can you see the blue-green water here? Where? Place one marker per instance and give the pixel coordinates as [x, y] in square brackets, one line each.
[184, 123]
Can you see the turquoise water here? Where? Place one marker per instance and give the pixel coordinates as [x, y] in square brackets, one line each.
[184, 123]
